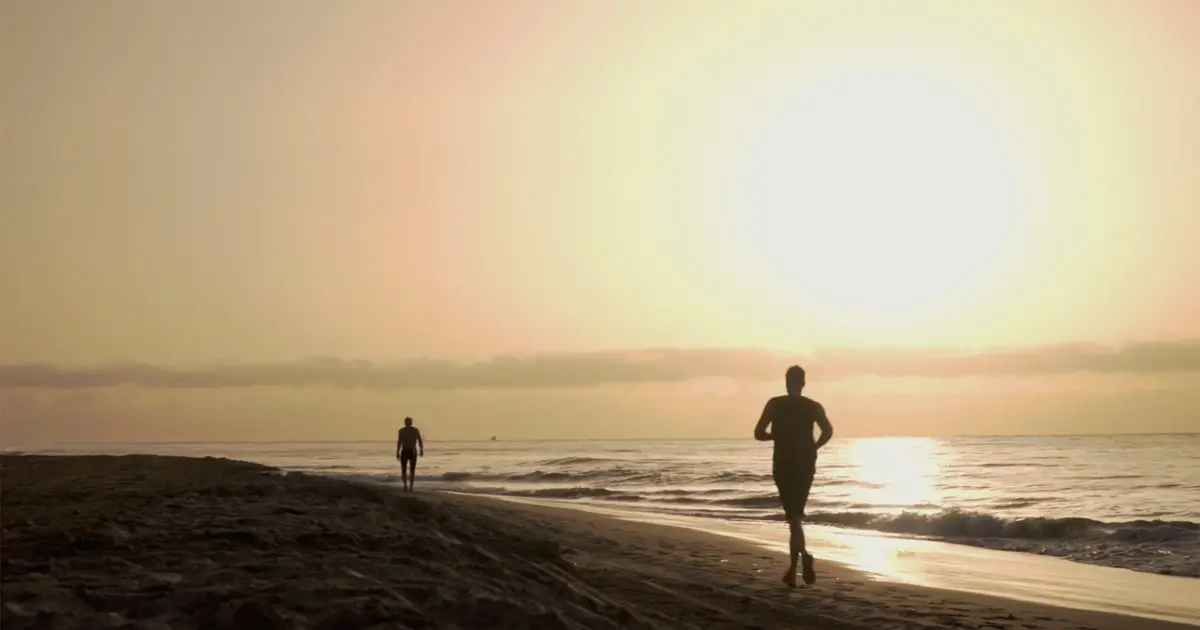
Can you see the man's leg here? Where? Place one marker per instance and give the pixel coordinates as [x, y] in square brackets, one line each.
[807, 572]
[404, 470]
[793, 493]
[787, 498]
[798, 546]
[412, 471]
[796, 541]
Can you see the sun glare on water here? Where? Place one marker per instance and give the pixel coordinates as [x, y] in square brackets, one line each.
[882, 193]
[896, 472]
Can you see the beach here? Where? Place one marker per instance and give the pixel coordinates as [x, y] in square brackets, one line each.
[158, 542]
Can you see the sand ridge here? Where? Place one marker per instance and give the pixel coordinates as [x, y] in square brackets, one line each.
[165, 542]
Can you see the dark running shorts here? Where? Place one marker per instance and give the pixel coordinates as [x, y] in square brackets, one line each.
[794, 480]
[408, 455]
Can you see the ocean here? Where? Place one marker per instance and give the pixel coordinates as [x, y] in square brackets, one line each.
[1130, 501]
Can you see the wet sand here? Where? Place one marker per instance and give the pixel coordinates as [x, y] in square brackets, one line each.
[160, 542]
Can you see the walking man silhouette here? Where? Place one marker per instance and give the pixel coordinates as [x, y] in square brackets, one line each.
[408, 441]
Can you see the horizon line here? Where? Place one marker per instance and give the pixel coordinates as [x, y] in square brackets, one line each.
[600, 439]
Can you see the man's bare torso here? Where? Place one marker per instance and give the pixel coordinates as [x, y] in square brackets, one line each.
[409, 437]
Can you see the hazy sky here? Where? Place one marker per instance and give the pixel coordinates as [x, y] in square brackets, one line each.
[571, 183]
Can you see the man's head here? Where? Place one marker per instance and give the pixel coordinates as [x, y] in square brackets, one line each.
[408, 422]
[795, 380]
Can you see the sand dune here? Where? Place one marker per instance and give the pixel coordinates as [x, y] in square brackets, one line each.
[159, 542]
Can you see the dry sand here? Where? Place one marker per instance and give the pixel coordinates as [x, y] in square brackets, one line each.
[157, 542]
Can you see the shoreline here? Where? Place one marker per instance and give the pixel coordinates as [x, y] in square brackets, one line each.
[864, 578]
[157, 542]
[949, 566]
[1169, 563]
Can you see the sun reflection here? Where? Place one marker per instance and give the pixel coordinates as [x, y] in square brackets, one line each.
[895, 473]
[873, 555]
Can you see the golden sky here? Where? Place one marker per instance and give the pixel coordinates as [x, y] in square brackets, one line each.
[386, 181]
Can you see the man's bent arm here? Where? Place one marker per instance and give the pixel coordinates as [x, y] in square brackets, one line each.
[760, 430]
[399, 443]
[420, 442]
[826, 429]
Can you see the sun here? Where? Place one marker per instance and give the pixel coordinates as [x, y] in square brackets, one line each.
[885, 196]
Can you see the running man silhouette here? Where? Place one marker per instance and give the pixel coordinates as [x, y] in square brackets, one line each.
[790, 419]
[407, 443]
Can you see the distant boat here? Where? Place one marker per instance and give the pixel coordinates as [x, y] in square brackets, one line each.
[493, 438]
